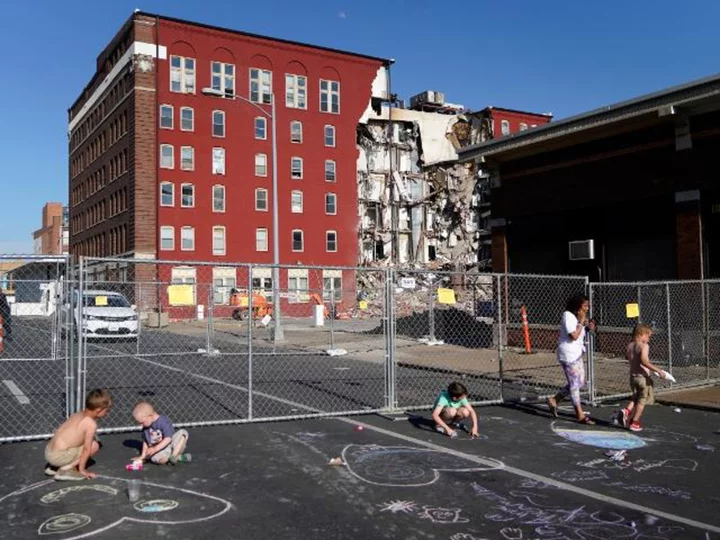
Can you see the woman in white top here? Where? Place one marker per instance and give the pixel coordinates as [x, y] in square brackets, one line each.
[571, 346]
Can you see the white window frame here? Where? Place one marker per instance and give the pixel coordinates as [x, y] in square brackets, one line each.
[262, 281]
[504, 127]
[184, 275]
[164, 147]
[264, 87]
[293, 138]
[224, 281]
[224, 128]
[164, 236]
[216, 251]
[218, 160]
[223, 78]
[182, 195]
[298, 286]
[190, 166]
[260, 243]
[261, 169]
[260, 124]
[328, 92]
[224, 198]
[258, 191]
[192, 119]
[334, 170]
[302, 240]
[172, 116]
[295, 93]
[327, 242]
[523, 126]
[186, 76]
[332, 278]
[296, 168]
[296, 201]
[172, 193]
[190, 236]
[325, 136]
[335, 199]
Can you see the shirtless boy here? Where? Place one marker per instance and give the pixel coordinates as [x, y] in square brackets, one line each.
[73, 444]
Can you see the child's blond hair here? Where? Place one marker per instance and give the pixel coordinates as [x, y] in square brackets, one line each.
[641, 329]
[98, 399]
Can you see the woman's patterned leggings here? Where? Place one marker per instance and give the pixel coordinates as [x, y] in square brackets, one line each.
[575, 375]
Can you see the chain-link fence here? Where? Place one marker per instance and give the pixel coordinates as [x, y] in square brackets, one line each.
[685, 322]
[36, 368]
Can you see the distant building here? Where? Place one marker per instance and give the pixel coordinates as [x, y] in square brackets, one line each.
[508, 121]
[53, 237]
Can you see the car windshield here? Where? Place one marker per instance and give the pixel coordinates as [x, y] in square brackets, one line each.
[110, 300]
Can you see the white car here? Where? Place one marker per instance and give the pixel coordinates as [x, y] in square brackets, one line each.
[105, 314]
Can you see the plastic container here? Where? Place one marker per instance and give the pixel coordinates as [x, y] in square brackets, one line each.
[133, 491]
[134, 466]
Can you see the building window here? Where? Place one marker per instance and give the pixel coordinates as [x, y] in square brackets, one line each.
[332, 285]
[183, 275]
[261, 239]
[296, 91]
[187, 119]
[223, 78]
[298, 286]
[329, 96]
[533, 126]
[187, 195]
[523, 126]
[223, 283]
[262, 282]
[218, 118]
[297, 240]
[218, 198]
[218, 240]
[296, 168]
[166, 116]
[331, 241]
[260, 85]
[167, 156]
[261, 199]
[260, 128]
[182, 74]
[167, 194]
[260, 165]
[330, 171]
[218, 162]
[330, 204]
[505, 127]
[296, 202]
[330, 136]
[187, 158]
[296, 132]
[167, 238]
[187, 239]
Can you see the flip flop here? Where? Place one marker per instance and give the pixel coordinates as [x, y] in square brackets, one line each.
[553, 408]
[587, 421]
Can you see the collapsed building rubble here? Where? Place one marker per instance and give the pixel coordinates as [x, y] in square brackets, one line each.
[418, 206]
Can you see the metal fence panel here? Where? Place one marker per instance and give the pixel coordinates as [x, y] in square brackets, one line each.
[35, 361]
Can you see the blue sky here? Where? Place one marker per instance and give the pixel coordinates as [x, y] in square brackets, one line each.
[562, 57]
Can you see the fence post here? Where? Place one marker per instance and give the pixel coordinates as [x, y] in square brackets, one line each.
[250, 340]
[591, 349]
[389, 315]
[498, 309]
[669, 328]
[706, 326]
[67, 327]
[431, 313]
[76, 310]
[332, 316]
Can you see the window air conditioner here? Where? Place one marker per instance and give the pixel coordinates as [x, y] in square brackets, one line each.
[582, 250]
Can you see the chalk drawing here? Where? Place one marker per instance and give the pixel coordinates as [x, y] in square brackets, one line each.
[309, 435]
[397, 507]
[465, 536]
[579, 476]
[612, 439]
[442, 516]
[209, 506]
[641, 465]
[404, 466]
[525, 507]
[510, 533]
[656, 490]
[55, 496]
[156, 505]
[64, 524]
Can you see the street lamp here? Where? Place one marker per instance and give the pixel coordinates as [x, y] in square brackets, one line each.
[278, 332]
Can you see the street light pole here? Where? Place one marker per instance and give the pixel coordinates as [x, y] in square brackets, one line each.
[278, 334]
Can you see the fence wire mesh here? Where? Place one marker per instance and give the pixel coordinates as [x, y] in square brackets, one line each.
[35, 362]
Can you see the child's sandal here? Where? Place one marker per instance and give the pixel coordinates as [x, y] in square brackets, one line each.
[587, 421]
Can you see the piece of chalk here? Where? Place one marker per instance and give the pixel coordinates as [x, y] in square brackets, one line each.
[359, 428]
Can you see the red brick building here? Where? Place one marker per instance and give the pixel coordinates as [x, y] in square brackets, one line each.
[53, 237]
[161, 169]
[508, 121]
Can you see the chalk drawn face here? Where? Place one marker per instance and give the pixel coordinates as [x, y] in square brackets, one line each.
[86, 509]
[613, 439]
[405, 466]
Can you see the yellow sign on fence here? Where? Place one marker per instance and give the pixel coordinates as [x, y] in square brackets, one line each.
[446, 296]
[632, 311]
[181, 295]
[101, 301]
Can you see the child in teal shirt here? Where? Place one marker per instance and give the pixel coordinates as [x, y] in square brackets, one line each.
[451, 408]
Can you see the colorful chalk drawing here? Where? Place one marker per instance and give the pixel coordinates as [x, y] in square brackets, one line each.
[613, 439]
[154, 509]
[405, 466]
[641, 465]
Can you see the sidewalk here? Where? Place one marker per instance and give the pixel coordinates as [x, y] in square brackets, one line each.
[699, 398]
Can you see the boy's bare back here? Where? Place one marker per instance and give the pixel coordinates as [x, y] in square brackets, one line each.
[73, 432]
[634, 354]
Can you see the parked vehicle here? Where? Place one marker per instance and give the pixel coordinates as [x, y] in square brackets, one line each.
[105, 314]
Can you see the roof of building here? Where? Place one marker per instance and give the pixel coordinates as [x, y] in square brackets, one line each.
[385, 61]
[676, 96]
[517, 111]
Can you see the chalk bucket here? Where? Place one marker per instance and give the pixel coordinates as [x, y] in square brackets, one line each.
[133, 491]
